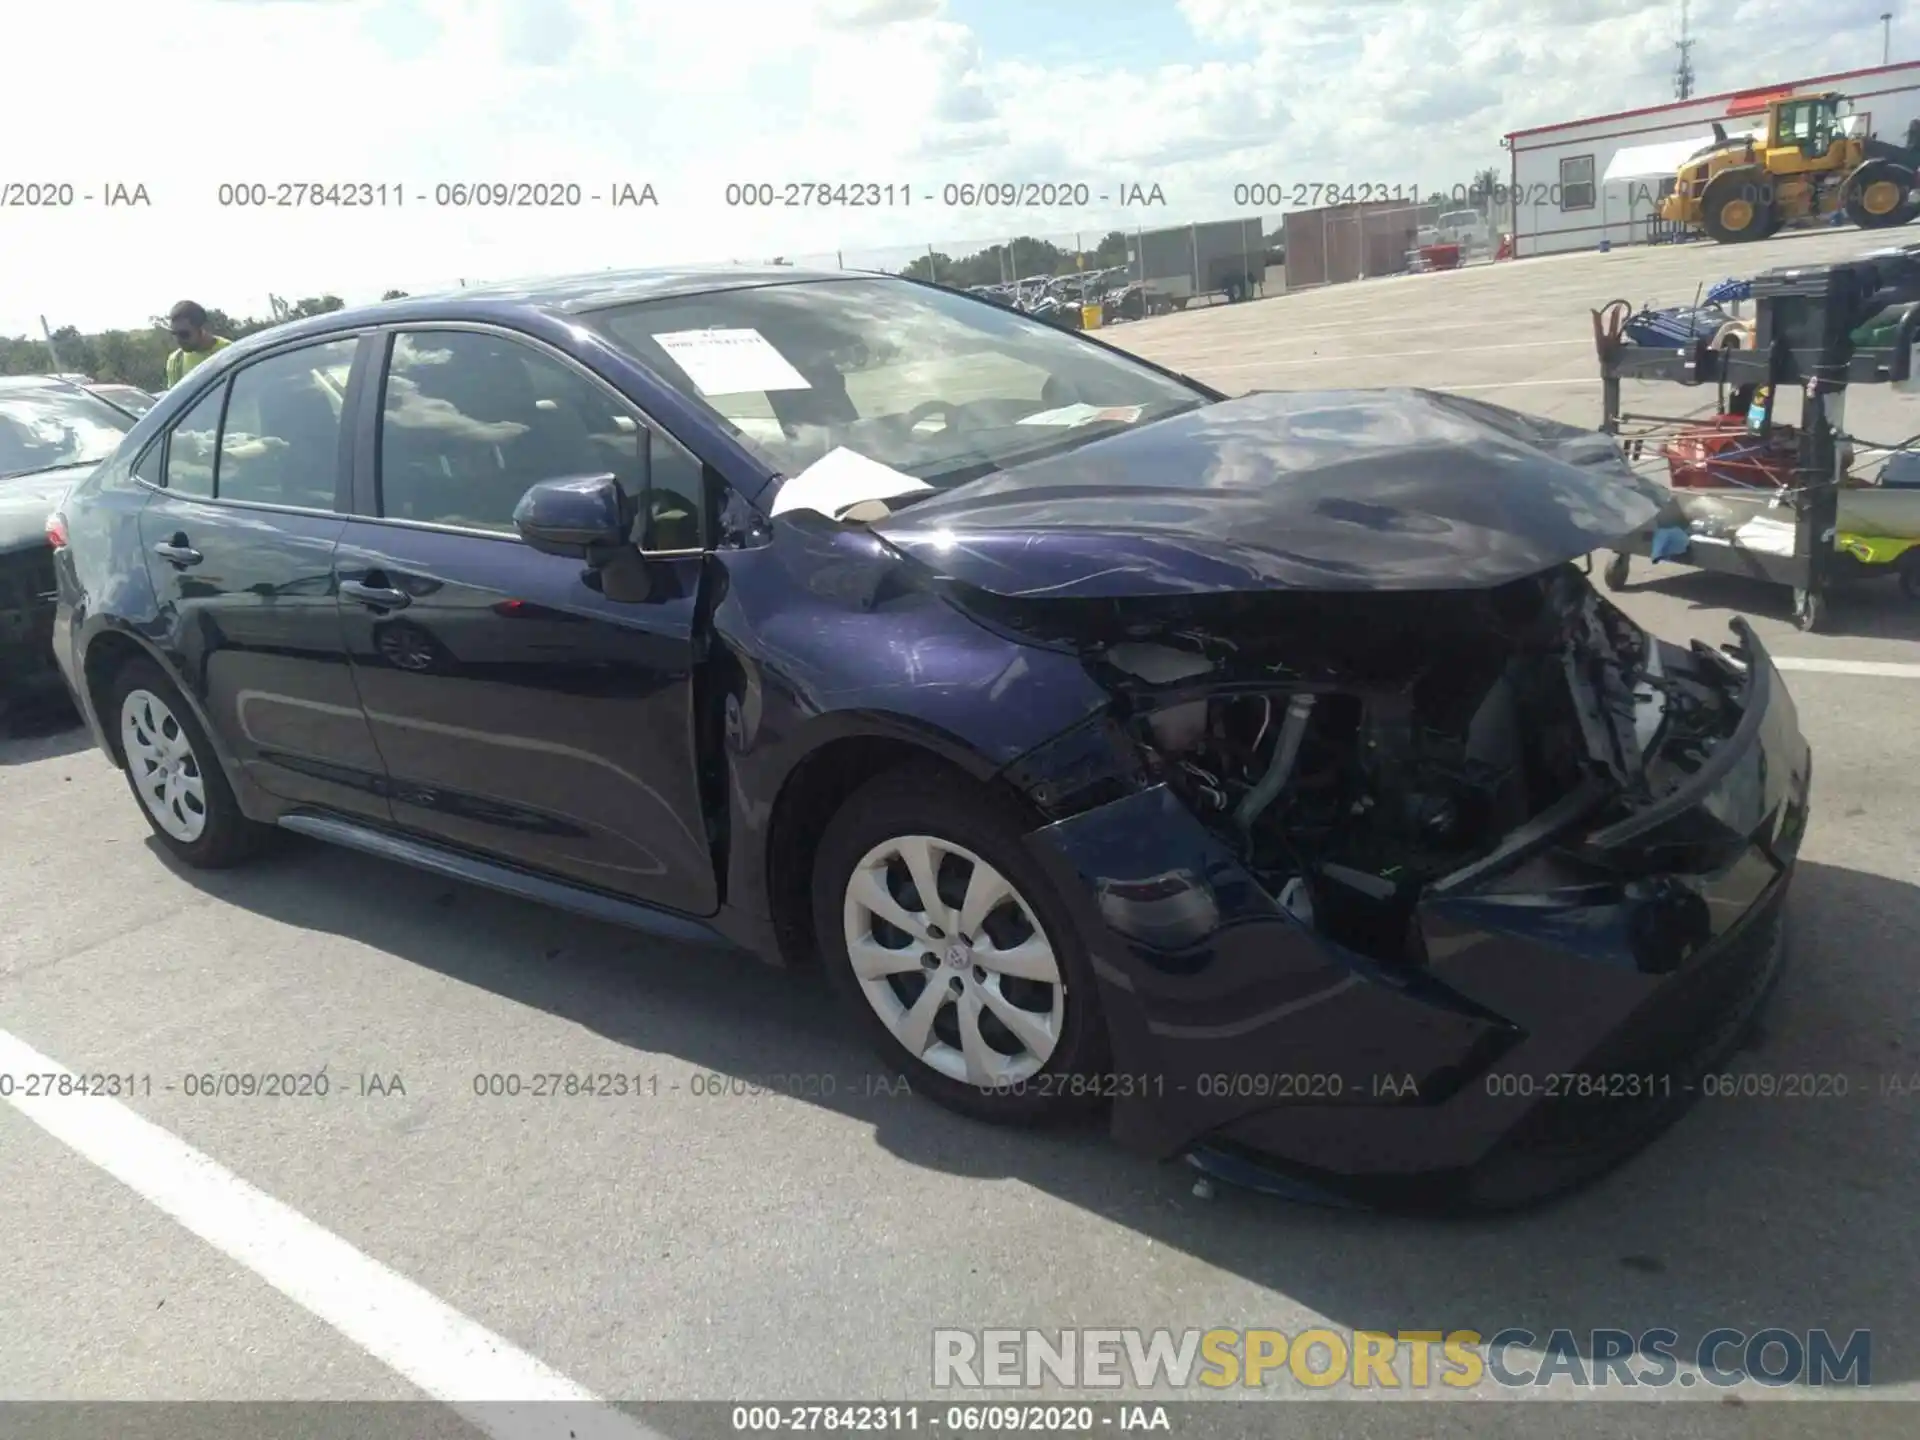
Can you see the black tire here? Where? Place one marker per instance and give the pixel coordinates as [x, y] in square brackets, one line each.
[1908, 569]
[1873, 182]
[1737, 206]
[1616, 572]
[227, 837]
[930, 801]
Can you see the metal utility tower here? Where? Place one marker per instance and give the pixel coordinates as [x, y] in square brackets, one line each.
[1683, 72]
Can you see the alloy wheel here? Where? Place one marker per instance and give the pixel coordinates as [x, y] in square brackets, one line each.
[954, 962]
[166, 773]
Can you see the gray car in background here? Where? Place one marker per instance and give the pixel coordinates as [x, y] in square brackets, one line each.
[53, 432]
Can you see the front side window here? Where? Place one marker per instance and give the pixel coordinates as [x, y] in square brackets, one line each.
[53, 427]
[280, 444]
[934, 384]
[471, 421]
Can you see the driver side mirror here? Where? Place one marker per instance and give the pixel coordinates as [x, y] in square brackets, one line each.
[584, 517]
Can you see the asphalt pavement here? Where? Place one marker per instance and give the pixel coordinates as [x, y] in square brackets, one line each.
[761, 1216]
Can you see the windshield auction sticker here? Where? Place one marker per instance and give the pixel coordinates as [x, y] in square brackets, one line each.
[731, 362]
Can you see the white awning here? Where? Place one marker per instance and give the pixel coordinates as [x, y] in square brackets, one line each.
[1646, 162]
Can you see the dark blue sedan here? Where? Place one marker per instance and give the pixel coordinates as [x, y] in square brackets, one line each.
[1265, 770]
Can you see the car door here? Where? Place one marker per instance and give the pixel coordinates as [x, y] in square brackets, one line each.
[252, 488]
[523, 710]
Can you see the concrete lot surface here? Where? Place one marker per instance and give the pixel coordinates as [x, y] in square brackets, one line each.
[388, 1240]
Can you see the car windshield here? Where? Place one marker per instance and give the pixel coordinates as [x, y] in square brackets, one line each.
[46, 427]
[930, 382]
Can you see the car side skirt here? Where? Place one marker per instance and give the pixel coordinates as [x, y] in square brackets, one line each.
[456, 865]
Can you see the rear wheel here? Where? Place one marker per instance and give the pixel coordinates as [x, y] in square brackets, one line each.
[952, 953]
[1879, 195]
[174, 774]
[1737, 205]
[1616, 573]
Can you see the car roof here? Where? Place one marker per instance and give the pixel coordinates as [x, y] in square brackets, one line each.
[565, 295]
[602, 289]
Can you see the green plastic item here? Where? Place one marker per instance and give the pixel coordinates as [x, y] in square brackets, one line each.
[1876, 332]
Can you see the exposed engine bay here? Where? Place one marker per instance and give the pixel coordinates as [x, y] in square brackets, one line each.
[1355, 748]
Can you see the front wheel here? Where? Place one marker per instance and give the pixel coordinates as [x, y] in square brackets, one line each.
[953, 955]
[1616, 572]
[1737, 206]
[1809, 610]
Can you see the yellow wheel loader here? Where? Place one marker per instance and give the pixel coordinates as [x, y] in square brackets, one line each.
[1812, 162]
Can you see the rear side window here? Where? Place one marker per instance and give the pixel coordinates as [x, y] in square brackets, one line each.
[192, 446]
[280, 443]
[148, 467]
[270, 435]
[470, 421]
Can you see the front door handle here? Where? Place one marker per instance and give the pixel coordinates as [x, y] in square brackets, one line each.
[374, 597]
[178, 553]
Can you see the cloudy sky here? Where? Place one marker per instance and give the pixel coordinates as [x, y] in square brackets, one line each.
[183, 96]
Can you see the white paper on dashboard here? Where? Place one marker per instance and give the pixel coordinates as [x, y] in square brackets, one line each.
[841, 479]
[1083, 414]
[1065, 415]
[731, 362]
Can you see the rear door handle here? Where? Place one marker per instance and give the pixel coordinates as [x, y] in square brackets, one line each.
[177, 552]
[374, 597]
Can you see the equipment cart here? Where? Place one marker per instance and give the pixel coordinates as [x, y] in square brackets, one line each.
[1817, 330]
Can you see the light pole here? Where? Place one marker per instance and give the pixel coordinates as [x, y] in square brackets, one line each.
[1886, 37]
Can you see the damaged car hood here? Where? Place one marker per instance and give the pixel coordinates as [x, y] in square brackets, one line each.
[1320, 490]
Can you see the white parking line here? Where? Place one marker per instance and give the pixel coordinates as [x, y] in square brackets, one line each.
[1455, 350]
[1889, 668]
[1522, 384]
[498, 1388]
[1200, 372]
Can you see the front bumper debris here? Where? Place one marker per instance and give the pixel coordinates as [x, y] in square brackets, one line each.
[1555, 1026]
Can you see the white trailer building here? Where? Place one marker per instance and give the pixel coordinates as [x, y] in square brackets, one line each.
[1563, 198]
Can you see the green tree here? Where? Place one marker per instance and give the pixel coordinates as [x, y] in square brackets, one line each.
[316, 305]
[73, 351]
[1111, 251]
[21, 356]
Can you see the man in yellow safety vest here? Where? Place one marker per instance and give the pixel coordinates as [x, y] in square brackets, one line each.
[195, 342]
